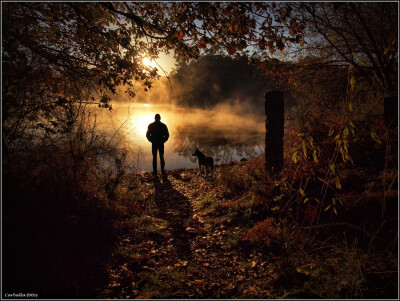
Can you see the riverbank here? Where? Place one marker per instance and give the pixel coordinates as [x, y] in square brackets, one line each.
[238, 233]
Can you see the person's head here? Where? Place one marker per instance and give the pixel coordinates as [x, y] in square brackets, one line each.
[157, 117]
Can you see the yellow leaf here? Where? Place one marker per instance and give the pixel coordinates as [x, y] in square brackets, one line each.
[253, 264]
[304, 150]
[311, 141]
[338, 185]
[301, 271]
[375, 137]
[345, 132]
[332, 167]
[342, 154]
[315, 156]
[294, 157]
[331, 130]
[351, 106]
[352, 82]
[334, 210]
[302, 192]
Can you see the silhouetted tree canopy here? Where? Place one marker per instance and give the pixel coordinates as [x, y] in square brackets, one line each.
[356, 38]
[363, 35]
[57, 54]
[81, 46]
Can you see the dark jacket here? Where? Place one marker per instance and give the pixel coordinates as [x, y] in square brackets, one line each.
[157, 132]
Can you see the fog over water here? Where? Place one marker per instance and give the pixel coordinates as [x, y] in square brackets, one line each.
[225, 132]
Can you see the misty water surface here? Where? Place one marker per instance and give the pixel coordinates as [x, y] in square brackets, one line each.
[225, 132]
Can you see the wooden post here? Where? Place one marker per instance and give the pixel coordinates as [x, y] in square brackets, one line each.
[274, 125]
[390, 111]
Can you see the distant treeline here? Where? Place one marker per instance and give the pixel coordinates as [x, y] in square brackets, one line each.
[215, 79]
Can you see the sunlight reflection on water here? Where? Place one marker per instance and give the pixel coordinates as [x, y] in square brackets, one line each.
[222, 133]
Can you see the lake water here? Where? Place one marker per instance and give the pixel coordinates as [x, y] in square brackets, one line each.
[226, 132]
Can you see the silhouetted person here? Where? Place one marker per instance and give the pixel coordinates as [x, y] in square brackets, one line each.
[157, 134]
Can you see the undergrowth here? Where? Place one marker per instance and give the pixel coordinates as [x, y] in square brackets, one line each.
[60, 209]
[326, 215]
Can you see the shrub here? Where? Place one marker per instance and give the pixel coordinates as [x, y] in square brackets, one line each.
[59, 214]
[262, 233]
[243, 176]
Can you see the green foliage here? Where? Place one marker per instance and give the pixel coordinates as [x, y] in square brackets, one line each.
[232, 239]
[208, 201]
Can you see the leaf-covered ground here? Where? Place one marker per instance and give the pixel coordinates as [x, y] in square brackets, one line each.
[178, 245]
[187, 235]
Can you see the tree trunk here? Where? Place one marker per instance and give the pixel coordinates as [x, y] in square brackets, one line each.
[274, 125]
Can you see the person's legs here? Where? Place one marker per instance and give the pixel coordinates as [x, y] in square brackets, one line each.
[154, 152]
[161, 151]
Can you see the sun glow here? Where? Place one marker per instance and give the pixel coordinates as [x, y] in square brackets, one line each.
[148, 63]
[140, 124]
[164, 62]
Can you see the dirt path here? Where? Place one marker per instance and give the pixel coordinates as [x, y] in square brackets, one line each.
[179, 248]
